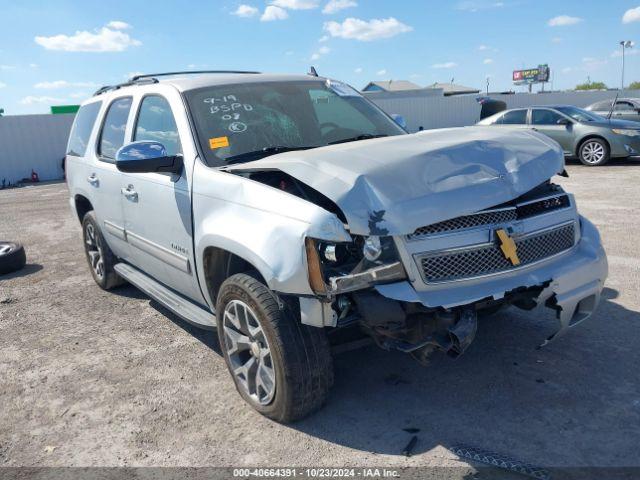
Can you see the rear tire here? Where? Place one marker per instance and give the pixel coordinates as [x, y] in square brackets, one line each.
[12, 257]
[99, 256]
[281, 367]
[594, 152]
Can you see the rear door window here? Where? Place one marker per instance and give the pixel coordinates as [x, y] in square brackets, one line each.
[514, 117]
[623, 107]
[82, 128]
[113, 128]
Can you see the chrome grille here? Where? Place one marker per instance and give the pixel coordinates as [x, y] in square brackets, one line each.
[491, 217]
[485, 260]
[494, 217]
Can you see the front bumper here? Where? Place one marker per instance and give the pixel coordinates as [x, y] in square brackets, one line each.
[624, 145]
[573, 282]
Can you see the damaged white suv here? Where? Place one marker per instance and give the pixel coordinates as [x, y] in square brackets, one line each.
[285, 209]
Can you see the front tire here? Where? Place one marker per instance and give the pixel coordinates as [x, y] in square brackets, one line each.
[281, 367]
[594, 152]
[99, 256]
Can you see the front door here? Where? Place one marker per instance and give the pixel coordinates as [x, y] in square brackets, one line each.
[546, 121]
[157, 206]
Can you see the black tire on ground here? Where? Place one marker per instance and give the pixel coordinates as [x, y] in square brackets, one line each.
[12, 257]
[300, 354]
[594, 152]
[99, 256]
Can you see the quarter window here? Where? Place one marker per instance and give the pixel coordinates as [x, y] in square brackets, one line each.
[82, 128]
[544, 117]
[623, 107]
[115, 123]
[156, 123]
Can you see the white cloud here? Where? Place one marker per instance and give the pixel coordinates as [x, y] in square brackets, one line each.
[591, 63]
[487, 61]
[272, 13]
[320, 52]
[56, 84]
[358, 70]
[3, 85]
[366, 31]
[103, 40]
[475, 5]
[33, 65]
[618, 53]
[78, 95]
[482, 47]
[381, 72]
[334, 6]
[296, 4]
[30, 100]
[556, 40]
[288, 53]
[7, 67]
[563, 21]
[444, 65]
[323, 38]
[245, 11]
[118, 25]
[631, 15]
[566, 70]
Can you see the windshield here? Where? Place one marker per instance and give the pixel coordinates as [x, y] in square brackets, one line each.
[244, 122]
[580, 114]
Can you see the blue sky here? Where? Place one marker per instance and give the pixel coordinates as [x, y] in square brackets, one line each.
[60, 51]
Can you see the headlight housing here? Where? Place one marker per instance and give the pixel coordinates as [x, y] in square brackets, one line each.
[629, 132]
[341, 267]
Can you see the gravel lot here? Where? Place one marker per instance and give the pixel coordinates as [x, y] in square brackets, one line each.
[90, 378]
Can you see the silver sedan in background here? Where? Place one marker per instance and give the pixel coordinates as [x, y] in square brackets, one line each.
[625, 109]
[591, 138]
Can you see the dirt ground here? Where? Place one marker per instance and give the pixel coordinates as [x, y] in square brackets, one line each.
[90, 378]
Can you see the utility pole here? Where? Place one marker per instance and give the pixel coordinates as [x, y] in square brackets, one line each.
[624, 44]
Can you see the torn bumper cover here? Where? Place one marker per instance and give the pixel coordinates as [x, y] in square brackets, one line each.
[571, 284]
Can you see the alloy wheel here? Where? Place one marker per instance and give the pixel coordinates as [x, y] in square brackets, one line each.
[248, 351]
[93, 246]
[593, 152]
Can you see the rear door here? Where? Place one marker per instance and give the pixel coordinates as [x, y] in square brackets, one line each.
[105, 179]
[157, 206]
[545, 120]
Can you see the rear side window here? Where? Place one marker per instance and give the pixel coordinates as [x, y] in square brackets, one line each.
[115, 123]
[156, 123]
[82, 128]
[514, 117]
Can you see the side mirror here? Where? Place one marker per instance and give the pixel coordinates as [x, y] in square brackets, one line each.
[399, 119]
[564, 121]
[147, 156]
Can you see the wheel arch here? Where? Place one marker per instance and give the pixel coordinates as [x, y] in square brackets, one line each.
[218, 264]
[589, 137]
[82, 206]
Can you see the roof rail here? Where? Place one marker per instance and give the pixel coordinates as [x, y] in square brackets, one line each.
[188, 72]
[151, 78]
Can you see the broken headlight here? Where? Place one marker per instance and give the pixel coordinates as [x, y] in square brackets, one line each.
[342, 267]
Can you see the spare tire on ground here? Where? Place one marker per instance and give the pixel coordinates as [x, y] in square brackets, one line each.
[12, 257]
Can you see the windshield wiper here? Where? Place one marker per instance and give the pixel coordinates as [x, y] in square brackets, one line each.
[264, 152]
[364, 136]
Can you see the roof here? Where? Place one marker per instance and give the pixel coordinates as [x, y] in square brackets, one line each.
[453, 89]
[392, 85]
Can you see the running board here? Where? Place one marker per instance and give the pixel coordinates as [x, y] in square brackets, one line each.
[185, 309]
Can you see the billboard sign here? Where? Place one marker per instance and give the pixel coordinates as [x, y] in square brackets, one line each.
[539, 74]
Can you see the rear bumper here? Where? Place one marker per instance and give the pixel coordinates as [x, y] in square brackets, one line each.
[572, 284]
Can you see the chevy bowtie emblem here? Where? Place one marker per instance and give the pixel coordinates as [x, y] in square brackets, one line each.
[508, 247]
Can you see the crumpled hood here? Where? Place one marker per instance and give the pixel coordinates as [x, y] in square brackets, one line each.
[392, 186]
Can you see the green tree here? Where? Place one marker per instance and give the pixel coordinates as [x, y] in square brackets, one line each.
[634, 86]
[591, 86]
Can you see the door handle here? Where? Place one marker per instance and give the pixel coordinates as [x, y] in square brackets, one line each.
[534, 129]
[130, 193]
[93, 180]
